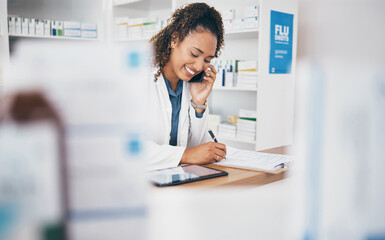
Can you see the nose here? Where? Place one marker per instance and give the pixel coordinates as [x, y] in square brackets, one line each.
[199, 65]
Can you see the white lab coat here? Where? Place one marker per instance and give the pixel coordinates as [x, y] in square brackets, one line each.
[192, 131]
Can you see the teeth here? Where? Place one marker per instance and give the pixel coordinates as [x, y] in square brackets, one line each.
[189, 70]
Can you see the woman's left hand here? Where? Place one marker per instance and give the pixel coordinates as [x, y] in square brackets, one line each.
[201, 90]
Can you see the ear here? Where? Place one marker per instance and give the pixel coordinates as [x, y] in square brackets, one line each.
[174, 40]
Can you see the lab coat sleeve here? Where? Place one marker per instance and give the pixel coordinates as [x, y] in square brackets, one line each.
[163, 156]
[199, 129]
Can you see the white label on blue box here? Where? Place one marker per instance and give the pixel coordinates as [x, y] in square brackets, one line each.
[281, 42]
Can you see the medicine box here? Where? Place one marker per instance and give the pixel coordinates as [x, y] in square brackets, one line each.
[11, 25]
[60, 28]
[39, 27]
[71, 25]
[54, 28]
[250, 23]
[90, 26]
[88, 34]
[247, 66]
[89, 30]
[31, 27]
[47, 27]
[237, 24]
[24, 26]
[71, 29]
[251, 11]
[72, 32]
[18, 25]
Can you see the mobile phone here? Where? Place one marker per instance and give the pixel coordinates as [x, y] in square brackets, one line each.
[198, 77]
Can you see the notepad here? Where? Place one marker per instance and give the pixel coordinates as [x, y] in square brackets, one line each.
[255, 160]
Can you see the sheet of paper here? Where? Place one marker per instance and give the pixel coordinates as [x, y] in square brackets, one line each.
[254, 160]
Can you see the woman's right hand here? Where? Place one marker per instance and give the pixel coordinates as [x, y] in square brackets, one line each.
[205, 153]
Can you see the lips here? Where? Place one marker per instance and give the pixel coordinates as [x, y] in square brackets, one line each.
[189, 72]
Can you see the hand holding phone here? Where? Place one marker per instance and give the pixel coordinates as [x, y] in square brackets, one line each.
[201, 85]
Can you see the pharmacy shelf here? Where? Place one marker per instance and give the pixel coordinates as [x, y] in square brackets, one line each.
[54, 37]
[236, 140]
[234, 89]
[242, 34]
[132, 40]
[144, 4]
[124, 2]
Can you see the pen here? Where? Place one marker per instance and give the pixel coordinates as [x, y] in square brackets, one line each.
[281, 165]
[214, 138]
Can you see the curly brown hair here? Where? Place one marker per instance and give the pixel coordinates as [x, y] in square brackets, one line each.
[185, 20]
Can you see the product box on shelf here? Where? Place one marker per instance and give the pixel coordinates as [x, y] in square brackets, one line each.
[47, 27]
[71, 29]
[251, 11]
[71, 25]
[250, 23]
[88, 34]
[71, 33]
[121, 28]
[88, 26]
[31, 27]
[135, 28]
[60, 28]
[54, 28]
[39, 27]
[250, 65]
[11, 25]
[18, 25]
[213, 122]
[88, 30]
[24, 26]
[237, 24]
[149, 28]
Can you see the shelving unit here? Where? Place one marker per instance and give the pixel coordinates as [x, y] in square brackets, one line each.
[89, 11]
[273, 99]
[252, 33]
[161, 9]
[53, 37]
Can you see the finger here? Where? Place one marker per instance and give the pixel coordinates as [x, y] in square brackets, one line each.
[211, 78]
[220, 152]
[211, 72]
[215, 157]
[213, 69]
[220, 146]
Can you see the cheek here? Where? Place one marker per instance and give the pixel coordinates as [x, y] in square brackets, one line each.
[183, 59]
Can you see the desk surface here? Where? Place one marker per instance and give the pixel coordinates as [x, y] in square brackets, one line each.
[236, 177]
[240, 177]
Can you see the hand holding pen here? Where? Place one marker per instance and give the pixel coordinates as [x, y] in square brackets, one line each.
[205, 153]
[215, 140]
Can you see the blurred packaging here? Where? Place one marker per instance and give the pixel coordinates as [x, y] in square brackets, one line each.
[32, 168]
[94, 88]
[213, 122]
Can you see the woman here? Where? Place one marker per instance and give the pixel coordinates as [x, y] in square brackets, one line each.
[177, 108]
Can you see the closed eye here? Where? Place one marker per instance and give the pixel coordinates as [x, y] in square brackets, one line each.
[194, 55]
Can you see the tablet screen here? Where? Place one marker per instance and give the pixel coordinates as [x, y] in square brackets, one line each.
[184, 174]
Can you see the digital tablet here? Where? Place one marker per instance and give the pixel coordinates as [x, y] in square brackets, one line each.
[183, 174]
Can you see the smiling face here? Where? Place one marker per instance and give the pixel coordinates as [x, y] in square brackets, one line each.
[191, 56]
